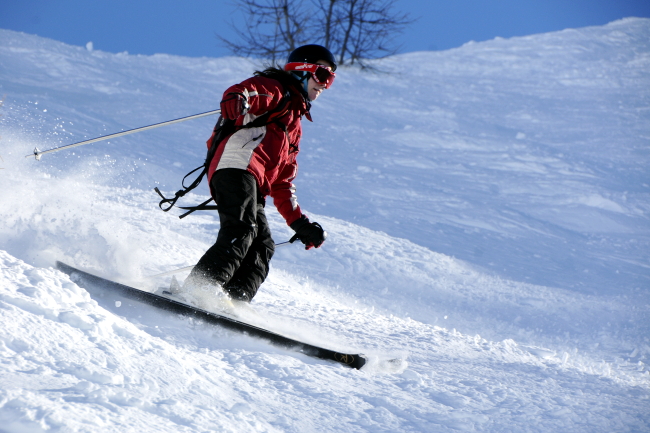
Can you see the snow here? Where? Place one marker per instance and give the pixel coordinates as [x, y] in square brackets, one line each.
[487, 210]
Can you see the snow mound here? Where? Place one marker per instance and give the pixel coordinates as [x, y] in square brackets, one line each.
[488, 216]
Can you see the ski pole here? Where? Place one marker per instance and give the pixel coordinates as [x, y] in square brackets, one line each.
[290, 241]
[37, 153]
[175, 271]
[189, 268]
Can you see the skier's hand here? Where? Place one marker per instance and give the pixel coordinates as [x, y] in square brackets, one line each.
[234, 105]
[310, 234]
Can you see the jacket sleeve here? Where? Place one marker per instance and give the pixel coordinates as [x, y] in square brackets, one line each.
[283, 192]
[263, 94]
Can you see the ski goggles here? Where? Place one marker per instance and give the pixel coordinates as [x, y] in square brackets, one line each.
[323, 75]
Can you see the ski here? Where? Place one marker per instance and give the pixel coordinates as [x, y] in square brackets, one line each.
[95, 285]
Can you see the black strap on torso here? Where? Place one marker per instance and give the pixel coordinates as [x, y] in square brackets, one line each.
[223, 129]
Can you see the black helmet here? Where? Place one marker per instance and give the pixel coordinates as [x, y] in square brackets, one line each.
[312, 54]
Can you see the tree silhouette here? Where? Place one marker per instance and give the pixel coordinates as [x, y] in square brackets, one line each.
[353, 30]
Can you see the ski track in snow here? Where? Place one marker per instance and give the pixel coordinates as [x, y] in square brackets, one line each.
[488, 216]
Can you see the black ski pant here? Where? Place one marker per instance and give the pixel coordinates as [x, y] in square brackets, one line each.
[239, 259]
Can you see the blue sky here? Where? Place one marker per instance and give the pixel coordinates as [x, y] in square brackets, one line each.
[188, 27]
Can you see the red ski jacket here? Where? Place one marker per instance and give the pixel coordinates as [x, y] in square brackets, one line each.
[268, 152]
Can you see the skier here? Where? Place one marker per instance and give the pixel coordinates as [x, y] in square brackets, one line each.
[255, 162]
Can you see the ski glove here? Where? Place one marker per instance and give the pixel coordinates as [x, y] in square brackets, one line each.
[235, 105]
[310, 234]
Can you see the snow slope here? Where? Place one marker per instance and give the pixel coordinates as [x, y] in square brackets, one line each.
[488, 216]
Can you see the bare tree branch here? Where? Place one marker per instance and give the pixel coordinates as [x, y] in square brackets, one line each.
[375, 29]
[355, 30]
[272, 29]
